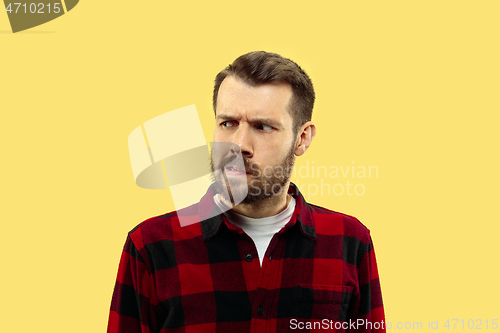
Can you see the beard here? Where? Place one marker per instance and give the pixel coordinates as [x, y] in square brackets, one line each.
[264, 183]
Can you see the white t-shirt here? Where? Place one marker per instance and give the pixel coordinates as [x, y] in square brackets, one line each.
[260, 230]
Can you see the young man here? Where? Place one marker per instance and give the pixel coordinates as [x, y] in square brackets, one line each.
[272, 263]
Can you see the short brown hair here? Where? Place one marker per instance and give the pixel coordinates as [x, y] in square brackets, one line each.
[260, 67]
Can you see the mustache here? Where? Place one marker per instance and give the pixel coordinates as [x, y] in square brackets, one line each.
[226, 160]
[250, 167]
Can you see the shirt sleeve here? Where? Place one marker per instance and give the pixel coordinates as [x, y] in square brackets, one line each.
[368, 313]
[132, 307]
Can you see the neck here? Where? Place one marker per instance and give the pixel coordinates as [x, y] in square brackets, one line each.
[269, 207]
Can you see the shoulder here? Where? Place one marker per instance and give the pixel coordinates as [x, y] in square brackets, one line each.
[165, 228]
[330, 222]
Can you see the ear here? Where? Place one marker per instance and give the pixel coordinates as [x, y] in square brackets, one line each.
[304, 138]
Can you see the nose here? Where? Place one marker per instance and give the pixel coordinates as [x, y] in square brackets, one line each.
[243, 141]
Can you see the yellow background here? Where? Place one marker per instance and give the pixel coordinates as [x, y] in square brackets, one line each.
[411, 87]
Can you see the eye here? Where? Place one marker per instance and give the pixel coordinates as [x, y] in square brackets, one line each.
[264, 127]
[227, 124]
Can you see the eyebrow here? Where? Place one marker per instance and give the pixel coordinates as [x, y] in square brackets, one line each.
[265, 121]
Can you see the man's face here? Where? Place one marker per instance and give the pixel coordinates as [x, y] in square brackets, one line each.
[256, 119]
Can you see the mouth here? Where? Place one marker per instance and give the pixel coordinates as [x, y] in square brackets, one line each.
[231, 169]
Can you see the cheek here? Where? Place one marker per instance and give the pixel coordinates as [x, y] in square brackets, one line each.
[271, 158]
[272, 150]
[271, 146]
[217, 133]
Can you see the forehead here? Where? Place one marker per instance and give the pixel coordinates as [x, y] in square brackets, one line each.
[239, 99]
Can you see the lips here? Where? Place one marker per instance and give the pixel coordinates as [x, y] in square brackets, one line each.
[231, 169]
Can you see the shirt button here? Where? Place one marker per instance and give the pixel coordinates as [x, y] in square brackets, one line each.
[248, 257]
[260, 310]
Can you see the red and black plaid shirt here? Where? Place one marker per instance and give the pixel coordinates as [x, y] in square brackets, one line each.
[319, 273]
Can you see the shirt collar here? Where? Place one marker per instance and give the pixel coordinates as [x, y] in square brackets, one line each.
[211, 216]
